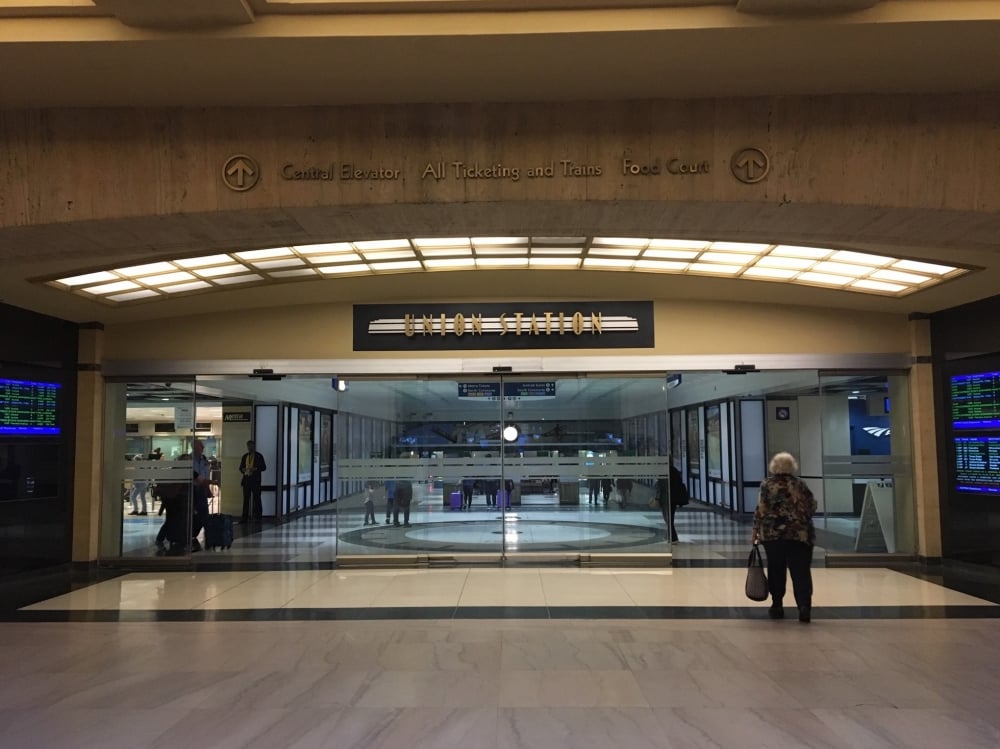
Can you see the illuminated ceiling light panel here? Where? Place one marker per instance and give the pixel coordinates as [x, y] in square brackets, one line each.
[88, 278]
[110, 288]
[131, 296]
[826, 279]
[726, 257]
[541, 251]
[677, 244]
[558, 240]
[777, 273]
[539, 261]
[293, 273]
[168, 278]
[288, 262]
[914, 265]
[388, 254]
[332, 270]
[264, 254]
[187, 287]
[861, 258]
[508, 251]
[671, 254]
[606, 262]
[383, 244]
[146, 270]
[221, 270]
[351, 257]
[423, 242]
[398, 265]
[714, 269]
[496, 241]
[449, 252]
[232, 280]
[787, 250]
[328, 248]
[738, 247]
[895, 275]
[867, 283]
[673, 266]
[795, 263]
[502, 262]
[621, 242]
[201, 262]
[843, 269]
[615, 252]
[458, 262]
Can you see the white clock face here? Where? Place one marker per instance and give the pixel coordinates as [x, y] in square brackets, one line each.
[510, 433]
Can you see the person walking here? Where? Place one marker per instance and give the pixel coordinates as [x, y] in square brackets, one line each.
[783, 522]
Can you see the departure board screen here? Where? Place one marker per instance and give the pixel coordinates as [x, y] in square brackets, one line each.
[29, 408]
[975, 401]
[977, 464]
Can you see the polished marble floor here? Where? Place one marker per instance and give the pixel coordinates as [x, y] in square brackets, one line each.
[498, 658]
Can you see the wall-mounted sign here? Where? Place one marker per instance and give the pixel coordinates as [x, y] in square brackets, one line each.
[521, 325]
[749, 165]
[236, 417]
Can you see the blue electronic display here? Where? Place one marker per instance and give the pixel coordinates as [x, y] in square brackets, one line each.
[977, 464]
[29, 408]
[975, 401]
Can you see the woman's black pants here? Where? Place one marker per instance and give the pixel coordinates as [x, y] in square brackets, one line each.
[795, 557]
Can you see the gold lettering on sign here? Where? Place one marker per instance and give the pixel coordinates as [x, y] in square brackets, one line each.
[517, 323]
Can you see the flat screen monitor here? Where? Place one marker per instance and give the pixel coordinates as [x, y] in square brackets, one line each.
[975, 401]
[29, 408]
[977, 464]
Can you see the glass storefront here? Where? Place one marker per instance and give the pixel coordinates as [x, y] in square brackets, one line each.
[503, 467]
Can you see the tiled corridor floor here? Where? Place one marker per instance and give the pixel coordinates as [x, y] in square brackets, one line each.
[498, 658]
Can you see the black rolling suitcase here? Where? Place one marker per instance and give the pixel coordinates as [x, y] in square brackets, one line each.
[218, 532]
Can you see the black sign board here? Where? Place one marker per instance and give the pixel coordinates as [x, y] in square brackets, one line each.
[236, 417]
[203, 426]
[503, 326]
[163, 426]
[131, 429]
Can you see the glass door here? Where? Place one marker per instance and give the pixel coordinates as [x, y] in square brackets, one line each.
[150, 440]
[584, 458]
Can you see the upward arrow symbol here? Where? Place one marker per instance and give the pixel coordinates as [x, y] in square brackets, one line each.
[242, 170]
[750, 163]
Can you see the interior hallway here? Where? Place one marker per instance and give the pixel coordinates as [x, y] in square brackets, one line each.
[498, 658]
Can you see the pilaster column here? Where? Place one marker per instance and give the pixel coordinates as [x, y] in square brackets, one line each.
[88, 463]
[925, 439]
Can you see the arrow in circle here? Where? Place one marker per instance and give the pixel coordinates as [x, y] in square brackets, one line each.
[749, 163]
[242, 170]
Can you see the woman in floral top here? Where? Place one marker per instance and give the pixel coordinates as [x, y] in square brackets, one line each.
[784, 523]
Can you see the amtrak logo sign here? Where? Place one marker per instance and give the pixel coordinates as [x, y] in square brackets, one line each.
[532, 325]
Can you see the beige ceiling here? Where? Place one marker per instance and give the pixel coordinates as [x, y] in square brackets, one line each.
[195, 53]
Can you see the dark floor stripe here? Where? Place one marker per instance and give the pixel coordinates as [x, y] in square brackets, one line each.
[416, 613]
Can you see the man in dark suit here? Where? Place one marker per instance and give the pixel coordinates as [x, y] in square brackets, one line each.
[251, 467]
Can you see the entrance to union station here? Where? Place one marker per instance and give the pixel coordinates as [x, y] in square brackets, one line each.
[501, 468]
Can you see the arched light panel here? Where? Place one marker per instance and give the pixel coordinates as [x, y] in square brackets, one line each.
[845, 270]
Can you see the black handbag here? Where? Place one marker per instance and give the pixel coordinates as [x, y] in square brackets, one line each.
[756, 585]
